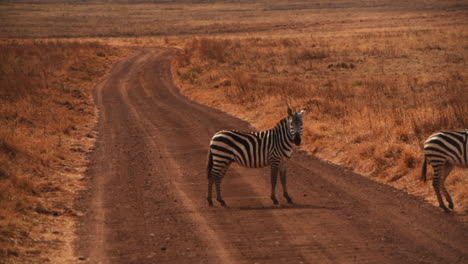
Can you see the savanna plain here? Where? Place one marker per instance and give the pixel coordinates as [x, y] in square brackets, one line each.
[377, 78]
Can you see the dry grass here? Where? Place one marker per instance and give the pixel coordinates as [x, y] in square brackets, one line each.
[374, 94]
[46, 120]
[100, 18]
[377, 77]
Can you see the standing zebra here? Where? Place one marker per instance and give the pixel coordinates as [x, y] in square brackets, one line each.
[443, 151]
[254, 150]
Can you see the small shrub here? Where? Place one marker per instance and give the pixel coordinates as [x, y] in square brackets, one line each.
[214, 49]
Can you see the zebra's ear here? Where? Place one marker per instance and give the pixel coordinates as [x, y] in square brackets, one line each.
[290, 112]
[302, 112]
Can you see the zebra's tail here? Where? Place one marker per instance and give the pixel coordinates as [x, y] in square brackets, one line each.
[424, 168]
[210, 163]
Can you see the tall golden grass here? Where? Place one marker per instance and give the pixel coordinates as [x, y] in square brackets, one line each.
[373, 95]
[123, 18]
[46, 121]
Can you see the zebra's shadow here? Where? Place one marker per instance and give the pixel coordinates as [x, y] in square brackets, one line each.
[282, 207]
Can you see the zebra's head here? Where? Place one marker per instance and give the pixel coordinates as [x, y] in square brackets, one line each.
[295, 125]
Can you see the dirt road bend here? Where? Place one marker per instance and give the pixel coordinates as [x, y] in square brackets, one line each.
[147, 187]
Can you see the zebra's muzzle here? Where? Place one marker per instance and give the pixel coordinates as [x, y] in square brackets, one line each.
[297, 140]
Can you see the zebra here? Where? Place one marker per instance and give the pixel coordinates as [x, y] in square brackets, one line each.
[254, 150]
[443, 151]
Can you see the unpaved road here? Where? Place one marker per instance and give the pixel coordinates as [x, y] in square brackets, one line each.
[147, 187]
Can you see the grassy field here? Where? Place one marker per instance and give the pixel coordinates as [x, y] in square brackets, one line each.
[374, 92]
[72, 18]
[47, 119]
[376, 76]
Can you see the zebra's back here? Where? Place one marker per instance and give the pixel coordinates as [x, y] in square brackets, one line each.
[249, 149]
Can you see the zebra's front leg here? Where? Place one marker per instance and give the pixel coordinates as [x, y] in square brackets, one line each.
[285, 188]
[274, 176]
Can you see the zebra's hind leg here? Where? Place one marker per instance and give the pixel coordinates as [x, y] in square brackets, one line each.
[219, 197]
[443, 176]
[216, 171]
[216, 179]
[437, 184]
[210, 190]
[285, 188]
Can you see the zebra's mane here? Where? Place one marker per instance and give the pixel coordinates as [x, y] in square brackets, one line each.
[278, 124]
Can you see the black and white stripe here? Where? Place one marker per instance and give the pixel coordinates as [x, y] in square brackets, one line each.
[254, 150]
[443, 151]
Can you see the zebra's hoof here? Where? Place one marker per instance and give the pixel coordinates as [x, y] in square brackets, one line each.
[451, 206]
[290, 201]
[446, 209]
[222, 203]
[210, 202]
[275, 201]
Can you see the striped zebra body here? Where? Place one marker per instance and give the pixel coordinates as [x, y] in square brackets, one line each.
[443, 151]
[254, 150]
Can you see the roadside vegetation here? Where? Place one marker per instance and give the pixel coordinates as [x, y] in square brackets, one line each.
[47, 118]
[374, 94]
[377, 79]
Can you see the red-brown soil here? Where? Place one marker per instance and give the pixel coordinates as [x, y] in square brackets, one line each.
[146, 201]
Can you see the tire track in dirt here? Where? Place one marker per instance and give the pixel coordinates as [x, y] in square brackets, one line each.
[146, 202]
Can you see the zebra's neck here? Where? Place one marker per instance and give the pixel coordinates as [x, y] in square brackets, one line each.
[282, 129]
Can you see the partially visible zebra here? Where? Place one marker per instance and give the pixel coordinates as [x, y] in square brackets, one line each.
[443, 151]
[254, 150]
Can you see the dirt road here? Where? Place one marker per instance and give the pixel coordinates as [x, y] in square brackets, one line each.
[146, 202]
